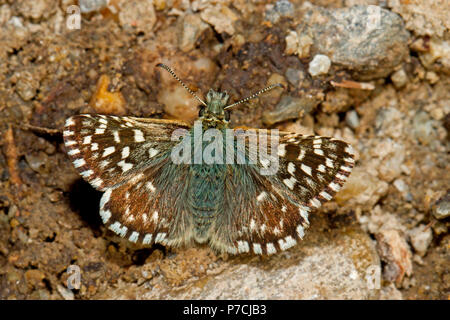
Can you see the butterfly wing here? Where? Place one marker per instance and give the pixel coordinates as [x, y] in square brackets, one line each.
[265, 214]
[129, 159]
[108, 149]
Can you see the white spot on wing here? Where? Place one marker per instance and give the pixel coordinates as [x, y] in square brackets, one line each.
[270, 248]
[291, 168]
[134, 237]
[78, 163]
[138, 135]
[152, 152]
[108, 151]
[325, 195]
[261, 196]
[243, 246]
[73, 152]
[87, 140]
[147, 239]
[116, 136]
[290, 182]
[257, 248]
[306, 169]
[282, 150]
[125, 166]
[150, 186]
[125, 152]
[300, 231]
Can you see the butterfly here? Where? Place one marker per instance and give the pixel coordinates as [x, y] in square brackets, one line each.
[150, 198]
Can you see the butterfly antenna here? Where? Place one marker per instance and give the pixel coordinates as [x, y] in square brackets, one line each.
[161, 65]
[276, 85]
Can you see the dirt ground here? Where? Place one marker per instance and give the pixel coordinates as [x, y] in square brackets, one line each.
[392, 106]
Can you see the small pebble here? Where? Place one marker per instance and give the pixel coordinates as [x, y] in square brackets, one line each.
[352, 119]
[87, 6]
[399, 78]
[319, 65]
[421, 238]
[442, 208]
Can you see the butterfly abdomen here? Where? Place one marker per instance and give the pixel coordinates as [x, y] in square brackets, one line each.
[205, 196]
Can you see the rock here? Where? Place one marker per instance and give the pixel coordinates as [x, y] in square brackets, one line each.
[34, 278]
[421, 238]
[192, 28]
[352, 119]
[220, 17]
[369, 40]
[334, 265]
[424, 17]
[87, 6]
[423, 128]
[295, 76]
[399, 78]
[137, 14]
[394, 251]
[320, 64]
[27, 85]
[65, 293]
[106, 102]
[390, 292]
[281, 8]
[37, 9]
[392, 156]
[438, 52]
[441, 209]
[362, 189]
[290, 108]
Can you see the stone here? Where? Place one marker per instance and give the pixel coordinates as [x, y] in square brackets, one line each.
[395, 252]
[192, 28]
[281, 8]
[107, 102]
[290, 108]
[87, 6]
[37, 9]
[65, 293]
[332, 265]
[137, 14]
[399, 78]
[352, 119]
[361, 188]
[424, 17]
[421, 238]
[441, 209]
[369, 40]
[320, 64]
[220, 17]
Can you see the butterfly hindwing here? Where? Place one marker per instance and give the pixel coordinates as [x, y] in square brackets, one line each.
[149, 207]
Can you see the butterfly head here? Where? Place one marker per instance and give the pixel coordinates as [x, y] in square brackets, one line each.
[214, 112]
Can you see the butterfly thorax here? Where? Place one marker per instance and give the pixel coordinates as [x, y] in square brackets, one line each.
[214, 115]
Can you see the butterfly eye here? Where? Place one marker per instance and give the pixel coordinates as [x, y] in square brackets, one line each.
[201, 111]
[227, 115]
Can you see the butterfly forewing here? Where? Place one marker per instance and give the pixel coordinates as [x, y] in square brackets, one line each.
[109, 149]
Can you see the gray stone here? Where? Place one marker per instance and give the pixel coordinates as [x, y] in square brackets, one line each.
[290, 108]
[281, 8]
[334, 265]
[369, 40]
[442, 208]
[352, 119]
[87, 6]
